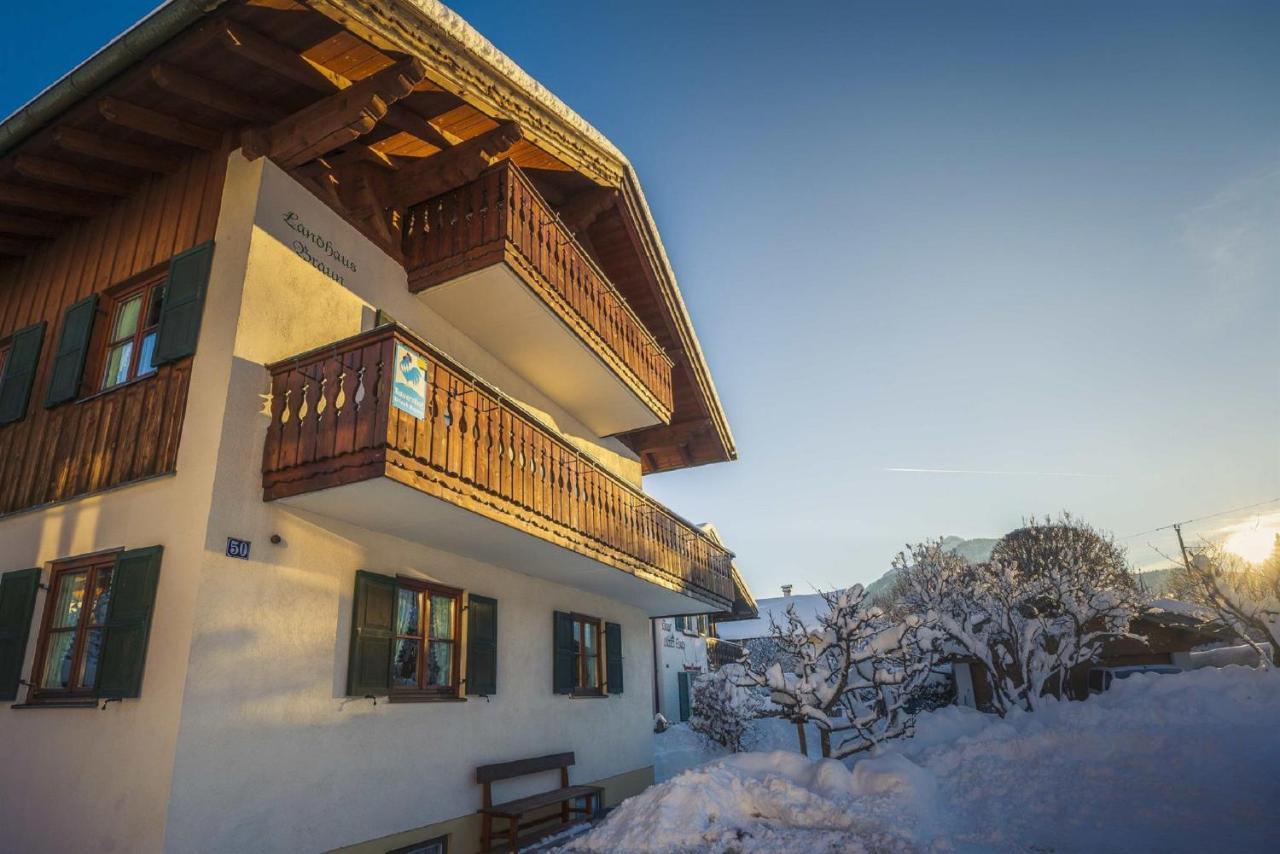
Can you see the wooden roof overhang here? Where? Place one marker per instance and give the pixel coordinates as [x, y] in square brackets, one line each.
[360, 101]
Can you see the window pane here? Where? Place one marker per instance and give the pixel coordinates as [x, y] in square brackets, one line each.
[589, 635]
[404, 669]
[92, 650]
[127, 318]
[57, 668]
[153, 309]
[66, 610]
[593, 672]
[118, 358]
[442, 617]
[101, 599]
[440, 664]
[146, 354]
[408, 604]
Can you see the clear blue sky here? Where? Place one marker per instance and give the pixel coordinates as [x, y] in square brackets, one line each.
[1012, 237]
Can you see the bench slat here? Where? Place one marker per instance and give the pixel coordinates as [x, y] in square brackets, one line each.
[521, 767]
[543, 799]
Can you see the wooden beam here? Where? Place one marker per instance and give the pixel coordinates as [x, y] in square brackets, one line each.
[360, 154]
[15, 246]
[213, 95]
[115, 151]
[334, 121]
[666, 437]
[28, 226]
[159, 125]
[402, 118]
[71, 175]
[431, 176]
[579, 212]
[291, 65]
[52, 201]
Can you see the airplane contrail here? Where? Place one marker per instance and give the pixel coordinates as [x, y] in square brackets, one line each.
[1014, 473]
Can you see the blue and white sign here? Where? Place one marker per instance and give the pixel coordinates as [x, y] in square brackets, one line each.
[238, 548]
[409, 382]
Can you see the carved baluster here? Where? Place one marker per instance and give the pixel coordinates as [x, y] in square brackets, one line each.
[358, 397]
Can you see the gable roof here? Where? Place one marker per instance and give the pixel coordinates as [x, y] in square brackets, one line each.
[808, 606]
[463, 62]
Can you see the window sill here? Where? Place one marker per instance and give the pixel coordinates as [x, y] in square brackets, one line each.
[588, 695]
[117, 387]
[56, 704]
[425, 698]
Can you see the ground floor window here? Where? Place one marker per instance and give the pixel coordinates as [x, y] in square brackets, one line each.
[425, 657]
[587, 665]
[75, 619]
[439, 845]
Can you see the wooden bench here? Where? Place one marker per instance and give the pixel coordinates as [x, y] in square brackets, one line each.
[515, 811]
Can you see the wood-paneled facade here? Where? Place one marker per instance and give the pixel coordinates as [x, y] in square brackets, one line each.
[129, 432]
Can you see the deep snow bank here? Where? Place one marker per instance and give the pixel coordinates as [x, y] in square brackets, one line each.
[1173, 763]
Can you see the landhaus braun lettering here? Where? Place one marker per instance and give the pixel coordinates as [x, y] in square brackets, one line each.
[311, 240]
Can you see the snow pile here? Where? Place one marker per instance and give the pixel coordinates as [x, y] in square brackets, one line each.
[1185, 762]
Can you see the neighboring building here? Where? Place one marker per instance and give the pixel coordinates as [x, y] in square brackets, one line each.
[755, 635]
[685, 647]
[1171, 634]
[334, 351]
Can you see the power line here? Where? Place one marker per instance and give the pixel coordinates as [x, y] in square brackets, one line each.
[1202, 518]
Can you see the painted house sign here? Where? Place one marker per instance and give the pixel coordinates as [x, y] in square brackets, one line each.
[409, 381]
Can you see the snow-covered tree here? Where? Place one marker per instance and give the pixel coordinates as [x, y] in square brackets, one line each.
[723, 707]
[1244, 598]
[850, 673]
[1029, 626]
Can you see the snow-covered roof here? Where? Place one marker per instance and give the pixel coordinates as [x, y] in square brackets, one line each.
[808, 607]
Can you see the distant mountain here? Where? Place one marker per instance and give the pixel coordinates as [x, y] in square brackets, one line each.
[974, 551]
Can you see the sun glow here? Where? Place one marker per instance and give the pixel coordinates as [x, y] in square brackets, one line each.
[1252, 541]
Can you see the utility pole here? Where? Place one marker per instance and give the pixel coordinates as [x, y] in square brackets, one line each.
[1177, 527]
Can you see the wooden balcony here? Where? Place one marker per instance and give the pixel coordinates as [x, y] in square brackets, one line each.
[475, 475]
[722, 652]
[494, 259]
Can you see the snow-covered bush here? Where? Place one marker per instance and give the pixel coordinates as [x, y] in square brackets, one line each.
[1028, 624]
[851, 672]
[1244, 598]
[722, 707]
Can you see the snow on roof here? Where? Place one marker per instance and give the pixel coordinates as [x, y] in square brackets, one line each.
[808, 607]
[1176, 606]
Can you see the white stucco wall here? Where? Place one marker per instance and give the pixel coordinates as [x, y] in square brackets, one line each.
[242, 740]
[677, 651]
[112, 768]
[270, 755]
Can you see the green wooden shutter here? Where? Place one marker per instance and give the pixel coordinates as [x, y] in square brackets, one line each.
[124, 643]
[183, 303]
[564, 654]
[613, 658]
[372, 624]
[20, 372]
[482, 645]
[73, 347]
[17, 603]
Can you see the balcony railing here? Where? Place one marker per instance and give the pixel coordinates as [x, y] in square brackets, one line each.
[333, 423]
[501, 216]
[722, 652]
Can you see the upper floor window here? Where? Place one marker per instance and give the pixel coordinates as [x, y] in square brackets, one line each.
[131, 341]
